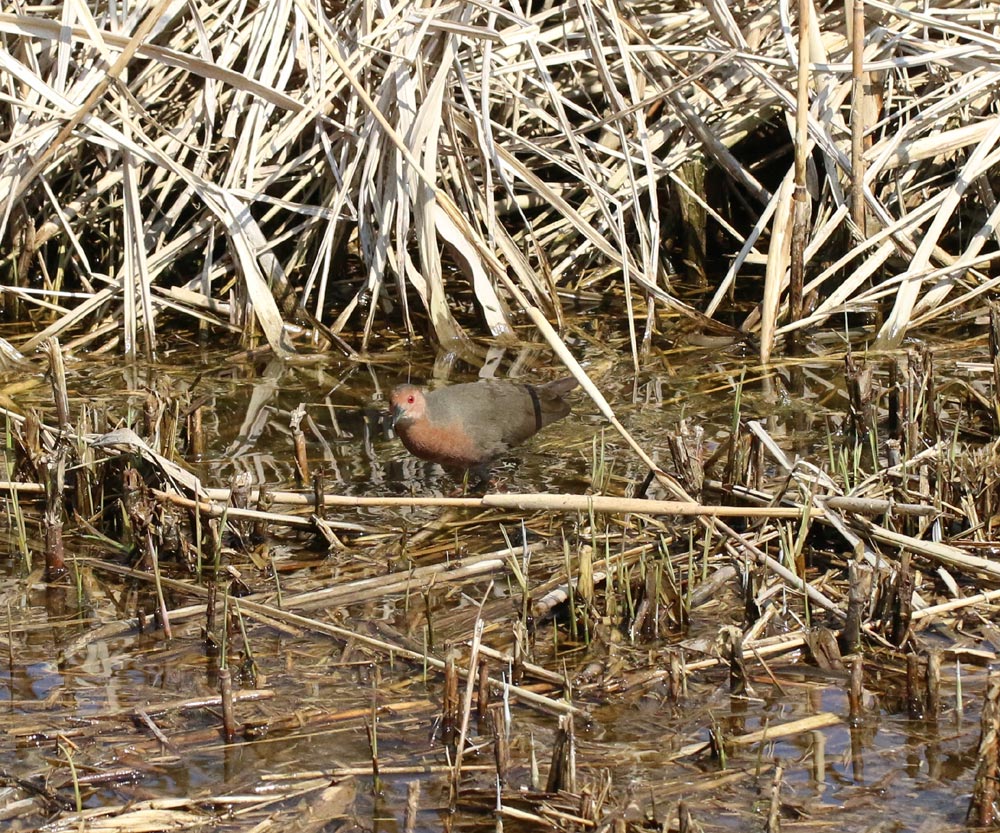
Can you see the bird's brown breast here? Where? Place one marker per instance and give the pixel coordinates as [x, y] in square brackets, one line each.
[445, 444]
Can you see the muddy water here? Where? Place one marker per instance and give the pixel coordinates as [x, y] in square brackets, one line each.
[86, 683]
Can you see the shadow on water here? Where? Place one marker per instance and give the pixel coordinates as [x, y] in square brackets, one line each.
[99, 702]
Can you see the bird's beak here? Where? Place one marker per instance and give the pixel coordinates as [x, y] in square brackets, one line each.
[395, 415]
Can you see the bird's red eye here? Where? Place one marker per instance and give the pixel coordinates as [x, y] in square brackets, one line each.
[410, 399]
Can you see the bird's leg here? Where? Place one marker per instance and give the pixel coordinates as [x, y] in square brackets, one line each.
[482, 480]
[462, 490]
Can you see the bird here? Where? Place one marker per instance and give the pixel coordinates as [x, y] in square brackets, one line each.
[467, 426]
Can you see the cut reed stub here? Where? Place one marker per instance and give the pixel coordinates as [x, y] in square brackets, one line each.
[982, 806]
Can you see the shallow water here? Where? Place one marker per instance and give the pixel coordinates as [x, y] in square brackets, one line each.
[84, 684]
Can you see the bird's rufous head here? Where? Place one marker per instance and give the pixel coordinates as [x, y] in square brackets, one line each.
[408, 404]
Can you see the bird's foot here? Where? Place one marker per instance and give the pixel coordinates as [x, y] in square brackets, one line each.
[499, 484]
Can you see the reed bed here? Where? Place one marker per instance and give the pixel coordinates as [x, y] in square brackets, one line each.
[305, 174]
[310, 178]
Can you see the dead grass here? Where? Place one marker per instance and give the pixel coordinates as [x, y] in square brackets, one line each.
[182, 161]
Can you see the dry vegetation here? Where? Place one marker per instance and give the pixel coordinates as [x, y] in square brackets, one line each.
[292, 162]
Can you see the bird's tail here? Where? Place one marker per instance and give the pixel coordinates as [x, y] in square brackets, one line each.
[559, 387]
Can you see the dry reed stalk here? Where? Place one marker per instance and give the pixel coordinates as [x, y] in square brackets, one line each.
[942, 553]
[800, 198]
[856, 32]
[982, 810]
[539, 502]
[464, 710]
[55, 484]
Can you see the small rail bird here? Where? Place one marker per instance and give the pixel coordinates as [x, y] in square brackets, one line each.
[468, 426]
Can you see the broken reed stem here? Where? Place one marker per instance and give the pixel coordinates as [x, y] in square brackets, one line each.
[371, 724]
[210, 611]
[151, 410]
[739, 683]
[587, 808]
[501, 742]
[55, 552]
[800, 197]
[318, 485]
[560, 770]
[196, 434]
[819, 756]
[685, 821]
[483, 694]
[934, 684]
[855, 690]
[449, 704]
[161, 601]
[10, 640]
[959, 704]
[915, 687]
[299, 444]
[571, 784]
[902, 610]
[226, 693]
[471, 686]
[857, 33]
[995, 358]
[239, 498]
[156, 730]
[412, 806]
[372, 731]
[258, 531]
[60, 395]
[535, 775]
[861, 577]
[774, 812]
[982, 805]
